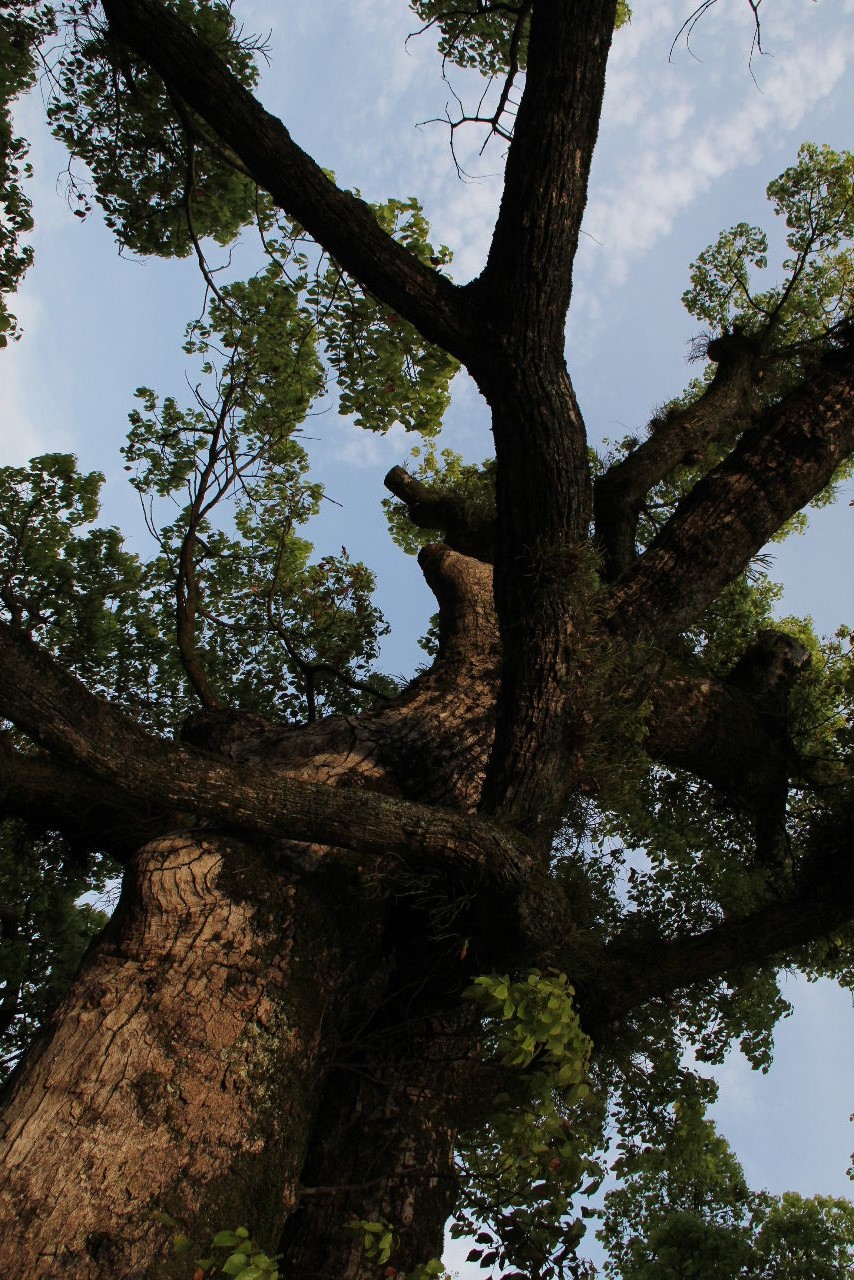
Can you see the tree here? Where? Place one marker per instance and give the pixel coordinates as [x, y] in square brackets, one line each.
[686, 1210]
[359, 924]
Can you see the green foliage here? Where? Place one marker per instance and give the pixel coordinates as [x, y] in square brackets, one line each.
[261, 625]
[821, 707]
[243, 1259]
[275, 633]
[681, 1205]
[161, 179]
[95, 606]
[385, 370]
[790, 320]
[448, 476]
[481, 36]
[377, 1240]
[522, 1168]
[73, 588]
[475, 35]
[44, 930]
[685, 1212]
[23, 26]
[109, 616]
[803, 1239]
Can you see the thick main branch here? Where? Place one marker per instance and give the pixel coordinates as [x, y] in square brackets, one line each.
[776, 468]
[343, 224]
[50, 796]
[529, 269]
[61, 715]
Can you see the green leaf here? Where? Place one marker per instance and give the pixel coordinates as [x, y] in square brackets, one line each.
[235, 1265]
[225, 1239]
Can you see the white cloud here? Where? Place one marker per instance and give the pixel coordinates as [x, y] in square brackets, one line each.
[31, 422]
[673, 155]
[343, 442]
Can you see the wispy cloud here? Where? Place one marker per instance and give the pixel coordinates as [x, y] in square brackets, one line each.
[705, 126]
[341, 441]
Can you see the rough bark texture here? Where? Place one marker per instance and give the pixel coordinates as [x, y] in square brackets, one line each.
[183, 1072]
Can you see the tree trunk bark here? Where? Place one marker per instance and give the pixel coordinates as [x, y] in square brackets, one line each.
[383, 1146]
[183, 1071]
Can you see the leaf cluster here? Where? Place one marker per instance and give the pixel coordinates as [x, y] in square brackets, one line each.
[44, 929]
[23, 27]
[685, 1209]
[386, 372]
[788, 322]
[488, 37]
[243, 1259]
[76, 590]
[163, 181]
[524, 1165]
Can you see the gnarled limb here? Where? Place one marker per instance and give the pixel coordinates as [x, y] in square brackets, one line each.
[431, 744]
[722, 410]
[775, 469]
[733, 733]
[464, 529]
[60, 714]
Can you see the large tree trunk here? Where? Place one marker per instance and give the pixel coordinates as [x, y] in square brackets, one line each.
[235, 1020]
[183, 1071]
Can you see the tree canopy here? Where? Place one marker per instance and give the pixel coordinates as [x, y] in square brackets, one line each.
[388, 951]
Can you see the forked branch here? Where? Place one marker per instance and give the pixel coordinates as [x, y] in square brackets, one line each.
[819, 902]
[723, 410]
[782, 462]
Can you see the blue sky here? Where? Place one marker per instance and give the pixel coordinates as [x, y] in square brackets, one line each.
[687, 146]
